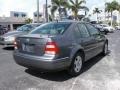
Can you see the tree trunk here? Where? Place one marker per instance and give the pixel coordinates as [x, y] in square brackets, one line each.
[60, 13]
[76, 15]
[119, 18]
[73, 12]
[105, 17]
[111, 19]
[97, 17]
[52, 16]
[85, 13]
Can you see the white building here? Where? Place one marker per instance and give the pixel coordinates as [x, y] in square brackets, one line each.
[16, 19]
[18, 14]
[116, 16]
[35, 17]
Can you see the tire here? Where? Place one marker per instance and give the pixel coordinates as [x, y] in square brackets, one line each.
[76, 65]
[105, 49]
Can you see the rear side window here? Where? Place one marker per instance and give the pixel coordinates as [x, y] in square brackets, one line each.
[83, 31]
[51, 28]
[92, 29]
[25, 28]
[76, 32]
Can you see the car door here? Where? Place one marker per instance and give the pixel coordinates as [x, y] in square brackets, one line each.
[99, 39]
[85, 40]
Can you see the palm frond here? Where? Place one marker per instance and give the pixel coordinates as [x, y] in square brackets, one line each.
[56, 2]
[84, 8]
[111, 6]
[53, 9]
[72, 2]
[81, 1]
[97, 11]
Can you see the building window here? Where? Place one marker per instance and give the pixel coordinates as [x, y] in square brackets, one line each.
[35, 15]
[40, 15]
[23, 15]
[16, 14]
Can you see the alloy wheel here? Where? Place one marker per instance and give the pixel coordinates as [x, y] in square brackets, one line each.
[77, 64]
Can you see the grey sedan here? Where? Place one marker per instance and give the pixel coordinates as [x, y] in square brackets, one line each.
[60, 45]
[8, 38]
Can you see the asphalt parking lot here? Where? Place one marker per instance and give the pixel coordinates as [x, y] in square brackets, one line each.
[99, 73]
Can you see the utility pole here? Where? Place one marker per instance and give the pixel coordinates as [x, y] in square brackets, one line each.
[37, 11]
[105, 11]
[46, 11]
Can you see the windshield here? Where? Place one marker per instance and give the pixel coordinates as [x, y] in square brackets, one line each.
[25, 28]
[51, 28]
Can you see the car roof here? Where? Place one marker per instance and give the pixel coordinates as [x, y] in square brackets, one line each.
[69, 21]
[34, 24]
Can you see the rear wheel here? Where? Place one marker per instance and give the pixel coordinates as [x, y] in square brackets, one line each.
[76, 65]
[105, 49]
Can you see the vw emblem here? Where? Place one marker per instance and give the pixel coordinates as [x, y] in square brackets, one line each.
[28, 40]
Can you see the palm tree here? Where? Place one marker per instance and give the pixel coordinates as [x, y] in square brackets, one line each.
[57, 5]
[75, 5]
[97, 11]
[110, 7]
[28, 20]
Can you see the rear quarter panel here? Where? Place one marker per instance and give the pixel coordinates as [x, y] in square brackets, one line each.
[64, 42]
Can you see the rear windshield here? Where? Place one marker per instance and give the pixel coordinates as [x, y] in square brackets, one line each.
[51, 28]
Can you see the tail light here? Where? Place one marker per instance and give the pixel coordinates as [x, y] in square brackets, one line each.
[51, 48]
[15, 44]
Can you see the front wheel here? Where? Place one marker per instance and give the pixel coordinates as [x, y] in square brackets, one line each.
[76, 65]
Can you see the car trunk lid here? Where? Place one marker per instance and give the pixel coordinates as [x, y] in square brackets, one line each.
[33, 44]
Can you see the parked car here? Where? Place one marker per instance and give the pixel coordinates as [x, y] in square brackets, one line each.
[101, 29]
[117, 27]
[60, 45]
[3, 30]
[8, 38]
[107, 27]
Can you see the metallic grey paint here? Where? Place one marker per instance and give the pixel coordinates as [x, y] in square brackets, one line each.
[68, 45]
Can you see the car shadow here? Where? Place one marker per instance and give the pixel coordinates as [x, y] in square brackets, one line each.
[63, 75]
[8, 48]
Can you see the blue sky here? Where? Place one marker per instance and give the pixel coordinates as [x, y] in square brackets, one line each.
[29, 6]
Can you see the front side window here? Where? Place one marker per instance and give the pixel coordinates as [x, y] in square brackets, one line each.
[83, 31]
[51, 28]
[92, 29]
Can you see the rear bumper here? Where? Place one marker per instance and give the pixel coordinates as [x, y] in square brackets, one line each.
[45, 64]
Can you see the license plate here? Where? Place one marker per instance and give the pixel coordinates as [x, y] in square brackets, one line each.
[27, 48]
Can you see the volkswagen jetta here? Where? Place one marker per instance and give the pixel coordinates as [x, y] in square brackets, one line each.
[60, 45]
